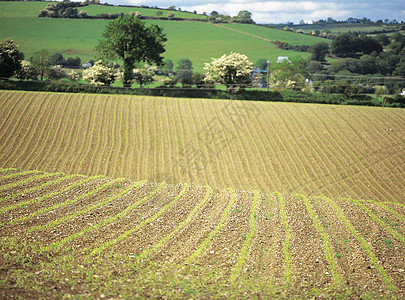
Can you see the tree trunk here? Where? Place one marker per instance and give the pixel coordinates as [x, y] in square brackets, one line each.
[128, 75]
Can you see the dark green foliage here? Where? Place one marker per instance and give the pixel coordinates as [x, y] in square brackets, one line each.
[198, 79]
[314, 67]
[41, 61]
[184, 73]
[58, 59]
[184, 64]
[281, 96]
[63, 9]
[398, 43]
[243, 16]
[351, 45]
[319, 51]
[129, 39]
[287, 46]
[9, 58]
[166, 68]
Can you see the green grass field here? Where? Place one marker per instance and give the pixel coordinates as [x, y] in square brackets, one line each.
[93, 10]
[196, 41]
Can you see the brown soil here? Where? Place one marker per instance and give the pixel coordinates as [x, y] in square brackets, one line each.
[158, 227]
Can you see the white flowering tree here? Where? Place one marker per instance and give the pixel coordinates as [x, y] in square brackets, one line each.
[100, 74]
[233, 70]
[26, 71]
[9, 58]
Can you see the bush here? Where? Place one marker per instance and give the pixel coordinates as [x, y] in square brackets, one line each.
[100, 74]
[56, 73]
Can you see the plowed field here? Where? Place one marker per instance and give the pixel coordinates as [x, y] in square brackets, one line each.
[317, 150]
[142, 197]
[95, 236]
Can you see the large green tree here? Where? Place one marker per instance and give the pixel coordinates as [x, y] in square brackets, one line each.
[41, 61]
[129, 39]
[319, 51]
[289, 74]
[9, 58]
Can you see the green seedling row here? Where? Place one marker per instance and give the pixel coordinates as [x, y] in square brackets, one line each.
[109, 152]
[29, 190]
[355, 126]
[327, 246]
[287, 241]
[104, 246]
[85, 133]
[25, 140]
[315, 181]
[57, 245]
[247, 244]
[127, 233]
[12, 115]
[45, 210]
[182, 225]
[69, 202]
[368, 178]
[49, 148]
[365, 245]
[19, 174]
[10, 140]
[51, 114]
[332, 159]
[204, 245]
[15, 184]
[379, 221]
[83, 158]
[61, 153]
[243, 145]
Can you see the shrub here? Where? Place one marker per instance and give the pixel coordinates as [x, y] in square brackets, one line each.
[100, 74]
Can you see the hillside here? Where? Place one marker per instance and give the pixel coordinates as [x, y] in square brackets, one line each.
[317, 150]
[197, 41]
[341, 27]
[179, 198]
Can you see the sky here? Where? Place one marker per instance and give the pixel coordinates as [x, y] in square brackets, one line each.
[266, 11]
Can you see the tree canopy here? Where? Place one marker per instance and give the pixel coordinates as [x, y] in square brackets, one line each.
[289, 74]
[351, 45]
[233, 70]
[129, 39]
[9, 58]
[319, 51]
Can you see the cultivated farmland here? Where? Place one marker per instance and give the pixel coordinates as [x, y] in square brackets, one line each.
[315, 150]
[162, 197]
[95, 236]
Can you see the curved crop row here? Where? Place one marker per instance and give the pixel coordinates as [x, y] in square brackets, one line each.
[185, 238]
[365, 245]
[305, 149]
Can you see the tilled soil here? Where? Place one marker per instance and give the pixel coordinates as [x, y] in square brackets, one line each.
[106, 237]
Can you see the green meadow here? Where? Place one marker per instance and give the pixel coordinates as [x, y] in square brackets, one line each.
[93, 10]
[197, 41]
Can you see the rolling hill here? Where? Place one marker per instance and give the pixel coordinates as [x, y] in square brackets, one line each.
[126, 196]
[113, 196]
[197, 41]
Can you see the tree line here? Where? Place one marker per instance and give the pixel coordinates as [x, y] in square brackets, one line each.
[140, 47]
[67, 9]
